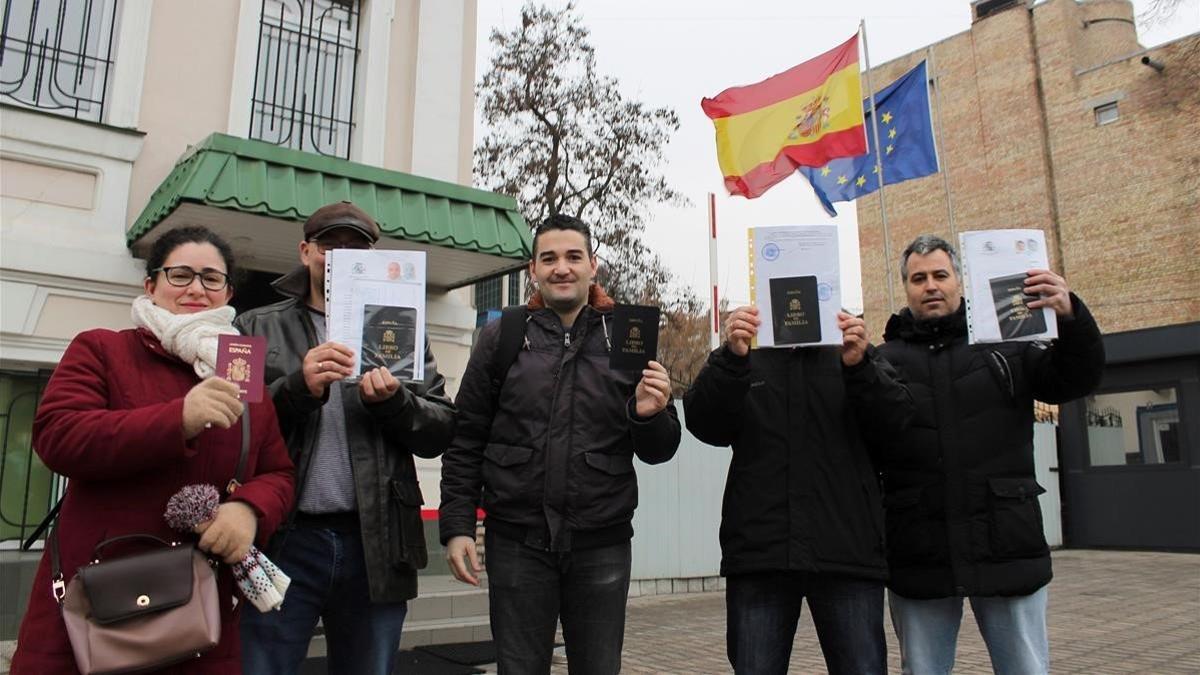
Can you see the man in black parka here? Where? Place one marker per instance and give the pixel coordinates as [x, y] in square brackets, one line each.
[962, 511]
[801, 516]
[545, 445]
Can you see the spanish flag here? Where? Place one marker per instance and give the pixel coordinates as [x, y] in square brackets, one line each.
[804, 116]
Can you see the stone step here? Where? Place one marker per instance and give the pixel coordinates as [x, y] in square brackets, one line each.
[427, 632]
[461, 601]
[444, 611]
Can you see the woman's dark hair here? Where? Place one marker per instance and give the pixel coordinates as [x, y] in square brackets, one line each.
[195, 234]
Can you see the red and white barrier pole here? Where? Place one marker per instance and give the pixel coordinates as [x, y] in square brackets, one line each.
[712, 270]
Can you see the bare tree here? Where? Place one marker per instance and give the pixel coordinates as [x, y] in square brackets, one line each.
[564, 139]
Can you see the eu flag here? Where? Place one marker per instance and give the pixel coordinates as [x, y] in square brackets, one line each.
[906, 134]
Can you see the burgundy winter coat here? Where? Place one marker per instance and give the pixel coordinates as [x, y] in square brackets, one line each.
[111, 420]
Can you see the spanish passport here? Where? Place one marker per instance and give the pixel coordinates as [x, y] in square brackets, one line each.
[240, 359]
[795, 315]
[634, 337]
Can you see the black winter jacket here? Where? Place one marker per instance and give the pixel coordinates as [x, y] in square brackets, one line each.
[417, 420]
[961, 498]
[802, 493]
[551, 456]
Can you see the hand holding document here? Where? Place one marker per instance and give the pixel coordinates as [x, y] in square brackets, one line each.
[795, 282]
[995, 266]
[375, 305]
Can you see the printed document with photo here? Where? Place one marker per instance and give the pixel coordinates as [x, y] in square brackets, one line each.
[795, 282]
[995, 265]
[375, 305]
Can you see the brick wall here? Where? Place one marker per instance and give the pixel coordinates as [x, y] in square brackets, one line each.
[1119, 202]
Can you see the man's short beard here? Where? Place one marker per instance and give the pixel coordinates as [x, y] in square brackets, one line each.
[564, 306]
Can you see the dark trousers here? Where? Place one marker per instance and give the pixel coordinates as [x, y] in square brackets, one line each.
[329, 582]
[530, 590]
[762, 611]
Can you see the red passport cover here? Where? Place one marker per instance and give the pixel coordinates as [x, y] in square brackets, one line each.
[240, 359]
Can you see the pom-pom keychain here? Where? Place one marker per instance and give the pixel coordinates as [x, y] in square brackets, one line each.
[263, 584]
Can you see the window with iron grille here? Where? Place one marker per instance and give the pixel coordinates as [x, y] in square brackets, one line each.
[27, 488]
[516, 288]
[487, 294]
[305, 74]
[55, 55]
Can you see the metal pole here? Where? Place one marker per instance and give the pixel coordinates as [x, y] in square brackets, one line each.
[715, 337]
[887, 239]
[940, 145]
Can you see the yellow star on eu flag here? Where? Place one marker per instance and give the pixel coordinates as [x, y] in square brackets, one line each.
[861, 181]
[842, 180]
[824, 171]
[890, 148]
[875, 169]
[891, 133]
[887, 118]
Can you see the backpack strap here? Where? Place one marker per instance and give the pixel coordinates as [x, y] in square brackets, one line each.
[512, 339]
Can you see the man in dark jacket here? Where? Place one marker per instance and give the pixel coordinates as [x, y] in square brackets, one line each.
[962, 511]
[548, 443]
[801, 516]
[355, 542]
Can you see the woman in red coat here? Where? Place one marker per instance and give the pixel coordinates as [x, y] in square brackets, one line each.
[130, 417]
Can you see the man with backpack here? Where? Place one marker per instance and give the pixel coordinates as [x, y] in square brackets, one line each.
[545, 443]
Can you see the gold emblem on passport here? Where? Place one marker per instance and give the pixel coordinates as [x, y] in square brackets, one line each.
[238, 370]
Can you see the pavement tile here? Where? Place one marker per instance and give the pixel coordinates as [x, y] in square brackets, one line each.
[1109, 612]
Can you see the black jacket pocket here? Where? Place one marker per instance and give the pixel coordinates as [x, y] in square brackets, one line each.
[613, 465]
[406, 528]
[1015, 518]
[511, 480]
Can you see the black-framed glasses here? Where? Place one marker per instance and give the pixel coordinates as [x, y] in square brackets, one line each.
[356, 243]
[182, 275]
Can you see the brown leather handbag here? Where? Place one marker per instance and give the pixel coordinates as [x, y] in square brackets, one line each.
[142, 611]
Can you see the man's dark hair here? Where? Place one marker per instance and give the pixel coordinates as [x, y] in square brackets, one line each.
[561, 221]
[924, 245]
[195, 234]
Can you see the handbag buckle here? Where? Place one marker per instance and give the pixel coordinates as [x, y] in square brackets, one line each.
[58, 588]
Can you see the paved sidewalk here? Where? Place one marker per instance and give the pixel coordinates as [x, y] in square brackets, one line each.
[1110, 612]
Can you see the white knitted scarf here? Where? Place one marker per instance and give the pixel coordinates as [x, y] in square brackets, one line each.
[191, 337]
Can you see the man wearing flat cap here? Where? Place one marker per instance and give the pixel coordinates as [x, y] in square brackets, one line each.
[355, 540]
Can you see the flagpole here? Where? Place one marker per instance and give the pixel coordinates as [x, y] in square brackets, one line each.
[715, 334]
[887, 239]
[941, 145]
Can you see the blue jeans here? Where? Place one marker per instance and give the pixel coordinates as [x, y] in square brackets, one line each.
[530, 590]
[1014, 629]
[762, 610]
[329, 582]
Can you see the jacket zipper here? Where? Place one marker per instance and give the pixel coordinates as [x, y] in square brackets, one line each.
[546, 450]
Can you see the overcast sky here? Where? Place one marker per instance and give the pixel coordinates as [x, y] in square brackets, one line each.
[674, 52]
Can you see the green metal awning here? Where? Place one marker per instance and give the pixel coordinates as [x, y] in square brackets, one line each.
[256, 194]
